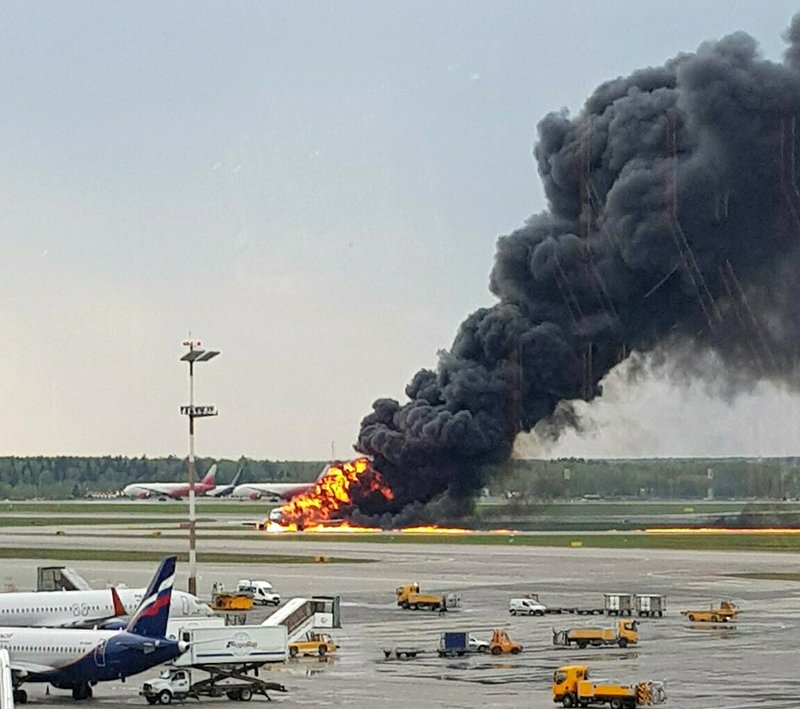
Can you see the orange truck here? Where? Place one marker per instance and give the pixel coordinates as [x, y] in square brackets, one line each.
[409, 596]
[723, 613]
[624, 634]
[572, 687]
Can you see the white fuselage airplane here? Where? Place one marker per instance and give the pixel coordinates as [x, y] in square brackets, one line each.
[279, 492]
[69, 609]
[78, 659]
[177, 491]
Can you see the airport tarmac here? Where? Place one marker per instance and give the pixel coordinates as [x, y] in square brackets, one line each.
[746, 665]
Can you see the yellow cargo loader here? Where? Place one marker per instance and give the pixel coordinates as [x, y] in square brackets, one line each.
[725, 612]
[625, 633]
[572, 687]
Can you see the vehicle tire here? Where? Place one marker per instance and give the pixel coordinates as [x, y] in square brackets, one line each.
[233, 695]
[513, 612]
[411, 654]
[165, 697]
[496, 650]
[660, 614]
[483, 648]
[461, 653]
[20, 696]
[245, 695]
[615, 703]
[582, 645]
[413, 606]
[714, 619]
[293, 651]
[322, 650]
[539, 613]
[151, 700]
[691, 617]
[623, 643]
[515, 651]
[568, 700]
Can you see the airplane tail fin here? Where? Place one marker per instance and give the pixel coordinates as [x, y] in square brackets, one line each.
[150, 619]
[210, 475]
[237, 477]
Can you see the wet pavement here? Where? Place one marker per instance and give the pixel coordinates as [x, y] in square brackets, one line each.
[746, 665]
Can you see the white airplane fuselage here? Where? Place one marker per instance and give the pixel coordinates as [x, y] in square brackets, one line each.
[65, 608]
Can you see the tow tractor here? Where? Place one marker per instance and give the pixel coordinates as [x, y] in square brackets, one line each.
[572, 687]
[313, 644]
[501, 644]
[725, 612]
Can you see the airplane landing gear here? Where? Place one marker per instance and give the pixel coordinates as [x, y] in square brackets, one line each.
[82, 691]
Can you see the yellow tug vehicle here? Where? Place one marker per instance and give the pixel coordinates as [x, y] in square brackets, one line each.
[573, 688]
[725, 612]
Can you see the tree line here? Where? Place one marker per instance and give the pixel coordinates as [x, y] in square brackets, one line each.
[62, 477]
[660, 478]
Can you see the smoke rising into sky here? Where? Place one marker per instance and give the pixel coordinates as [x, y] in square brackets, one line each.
[672, 228]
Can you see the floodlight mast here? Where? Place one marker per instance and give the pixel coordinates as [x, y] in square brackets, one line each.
[196, 353]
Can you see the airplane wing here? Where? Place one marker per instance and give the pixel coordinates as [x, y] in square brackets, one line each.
[22, 668]
[98, 621]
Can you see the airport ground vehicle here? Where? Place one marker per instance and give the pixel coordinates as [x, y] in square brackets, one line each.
[572, 687]
[724, 612]
[222, 600]
[526, 606]
[501, 644]
[650, 604]
[460, 643]
[312, 644]
[558, 610]
[625, 633]
[263, 592]
[408, 596]
[220, 662]
[618, 603]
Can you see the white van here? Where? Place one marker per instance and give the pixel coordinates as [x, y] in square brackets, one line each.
[525, 606]
[263, 592]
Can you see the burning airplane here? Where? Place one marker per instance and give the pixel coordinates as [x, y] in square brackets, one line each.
[672, 228]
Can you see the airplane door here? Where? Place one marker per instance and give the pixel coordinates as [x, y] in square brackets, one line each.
[100, 654]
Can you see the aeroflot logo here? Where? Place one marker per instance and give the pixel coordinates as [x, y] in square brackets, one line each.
[241, 643]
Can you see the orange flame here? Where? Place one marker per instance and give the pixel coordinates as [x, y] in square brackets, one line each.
[330, 495]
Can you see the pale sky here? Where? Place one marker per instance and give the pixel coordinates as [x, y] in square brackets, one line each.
[312, 188]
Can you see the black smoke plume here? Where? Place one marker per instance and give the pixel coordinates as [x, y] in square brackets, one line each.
[673, 223]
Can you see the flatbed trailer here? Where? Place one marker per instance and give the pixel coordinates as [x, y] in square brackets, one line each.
[402, 652]
[559, 610]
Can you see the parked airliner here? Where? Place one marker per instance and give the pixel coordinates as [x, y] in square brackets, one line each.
[275, 491]
[78, 659]
[86, 609]
[177, 491]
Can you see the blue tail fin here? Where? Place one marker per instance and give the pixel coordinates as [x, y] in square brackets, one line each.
[150, 619]
[237, 477]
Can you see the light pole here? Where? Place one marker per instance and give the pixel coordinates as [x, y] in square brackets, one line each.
[196, 353]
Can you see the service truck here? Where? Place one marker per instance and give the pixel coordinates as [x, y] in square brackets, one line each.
[220, 662]
[723, 613]
[650, 604]
[527, 606]
[460, 643]
[408, 596]
[573, 687]
[262, 591]
[625, 633]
